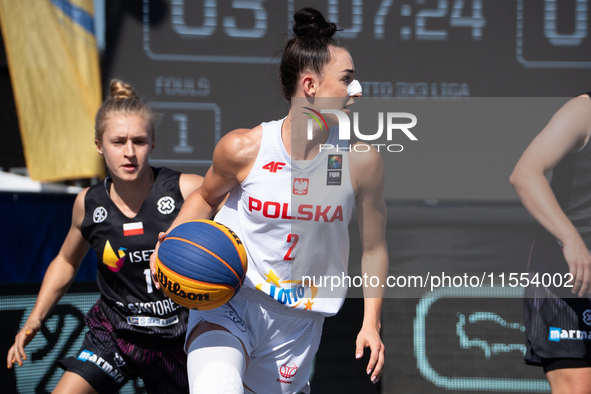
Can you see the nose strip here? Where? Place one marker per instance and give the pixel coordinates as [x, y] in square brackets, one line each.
[354, 88]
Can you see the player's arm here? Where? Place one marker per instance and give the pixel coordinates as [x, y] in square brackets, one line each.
[368, 174]
[233, 158]
[567, 132]
[58, 278]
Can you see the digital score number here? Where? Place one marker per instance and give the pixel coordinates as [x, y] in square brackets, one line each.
[553, 34]
[242, 31]
[454, 13]
[550, 33]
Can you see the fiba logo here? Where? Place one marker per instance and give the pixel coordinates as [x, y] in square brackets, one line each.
[165, 205]
[587, 317]
[99, 215]
[288, 370]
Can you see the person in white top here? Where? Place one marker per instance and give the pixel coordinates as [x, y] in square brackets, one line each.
[292, 216]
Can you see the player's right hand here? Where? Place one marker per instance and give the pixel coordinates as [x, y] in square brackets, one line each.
[16, 353]
[161, 237]
[578, 258]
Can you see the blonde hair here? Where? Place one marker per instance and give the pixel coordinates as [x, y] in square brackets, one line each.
[122, 100]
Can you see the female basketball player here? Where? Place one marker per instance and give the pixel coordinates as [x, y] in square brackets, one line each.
[563, 208]
[293, 222]
[134, 330]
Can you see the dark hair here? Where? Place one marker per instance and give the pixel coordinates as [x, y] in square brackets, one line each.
[308, 50]
[124, 100]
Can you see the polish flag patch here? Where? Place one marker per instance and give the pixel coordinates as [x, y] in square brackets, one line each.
[136, 228]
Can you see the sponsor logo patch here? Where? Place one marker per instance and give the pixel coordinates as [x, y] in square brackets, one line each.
[114, 261]
[99, 215]
[333, 177]
[287, 371]
[587, 317]
[88, 356]
[558, 334]
[119, 360]
[165, 205]
[147, 321]
[274, 166]
[335, 162]
[175, 288]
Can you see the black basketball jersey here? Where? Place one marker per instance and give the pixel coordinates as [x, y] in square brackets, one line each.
[123, 246]
[571, 183]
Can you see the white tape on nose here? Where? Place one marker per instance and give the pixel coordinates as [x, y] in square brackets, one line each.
[354, 88]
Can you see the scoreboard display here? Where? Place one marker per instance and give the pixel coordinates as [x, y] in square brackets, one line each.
[210, 66]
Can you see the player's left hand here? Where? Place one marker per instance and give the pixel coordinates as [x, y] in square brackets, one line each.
[370, 337]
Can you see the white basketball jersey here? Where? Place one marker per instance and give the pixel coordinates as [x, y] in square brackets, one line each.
[293, 219]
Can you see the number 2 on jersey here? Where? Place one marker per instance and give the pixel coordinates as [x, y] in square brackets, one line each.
[291, 238]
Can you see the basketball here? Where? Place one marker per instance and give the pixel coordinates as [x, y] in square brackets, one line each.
[201, 264]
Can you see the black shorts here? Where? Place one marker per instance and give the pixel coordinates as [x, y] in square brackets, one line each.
[552, 364]
[558, 323]
[107, 362]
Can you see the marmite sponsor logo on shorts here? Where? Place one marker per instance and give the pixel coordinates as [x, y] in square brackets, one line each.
[175, 288]
[558, 334]
[587, 317]
[287, 371]
[87, 355]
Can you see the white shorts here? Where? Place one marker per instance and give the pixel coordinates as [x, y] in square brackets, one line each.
[281, 342]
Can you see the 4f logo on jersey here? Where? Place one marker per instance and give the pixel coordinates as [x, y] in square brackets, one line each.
[300, 186]
[274, 166]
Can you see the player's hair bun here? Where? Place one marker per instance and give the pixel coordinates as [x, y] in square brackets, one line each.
[310, 23]
[121, 90]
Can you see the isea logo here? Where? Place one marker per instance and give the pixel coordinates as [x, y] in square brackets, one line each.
[113, 261]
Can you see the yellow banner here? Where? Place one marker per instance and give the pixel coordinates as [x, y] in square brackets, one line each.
[54, 69]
